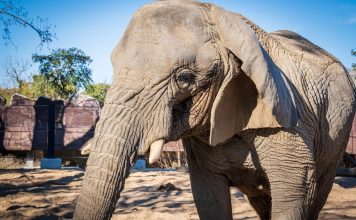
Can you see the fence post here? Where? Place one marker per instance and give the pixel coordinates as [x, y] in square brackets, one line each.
[51, 162]
[51, 128]
[2, 129]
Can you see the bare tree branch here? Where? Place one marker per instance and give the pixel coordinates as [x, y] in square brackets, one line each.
[11, 15]
[17, 71]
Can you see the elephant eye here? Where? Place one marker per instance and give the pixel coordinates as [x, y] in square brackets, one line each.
[185, 78]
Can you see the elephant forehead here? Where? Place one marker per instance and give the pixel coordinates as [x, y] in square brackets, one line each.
[153, 65]
[158, 38]
[152, 61]
[170, 15]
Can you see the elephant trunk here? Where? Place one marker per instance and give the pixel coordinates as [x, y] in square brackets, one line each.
[116, 139]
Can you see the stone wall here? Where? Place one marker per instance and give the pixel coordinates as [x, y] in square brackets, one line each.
[24, 123]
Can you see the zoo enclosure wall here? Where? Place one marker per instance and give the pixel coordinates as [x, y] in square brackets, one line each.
[24, 124]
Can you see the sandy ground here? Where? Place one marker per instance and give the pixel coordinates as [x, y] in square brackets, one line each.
[51, 194]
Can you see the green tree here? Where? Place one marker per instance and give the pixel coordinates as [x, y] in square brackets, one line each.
[39, 86]
[11, 15]
[65, 70]
[7, 93]
[97, 91]
[18, 79]
[353, 53]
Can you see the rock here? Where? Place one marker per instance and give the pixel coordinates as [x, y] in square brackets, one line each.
[168, 187]
[17, 99]
[2, 101]
[84, 100]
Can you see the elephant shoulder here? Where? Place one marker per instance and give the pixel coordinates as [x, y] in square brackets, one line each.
[315, 62]
[303, 47]
[311, 57]
[325, 70]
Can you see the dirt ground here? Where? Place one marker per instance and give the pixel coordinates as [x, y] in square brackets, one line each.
[51, 194]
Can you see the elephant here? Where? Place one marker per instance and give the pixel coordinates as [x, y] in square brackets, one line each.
[269, 113]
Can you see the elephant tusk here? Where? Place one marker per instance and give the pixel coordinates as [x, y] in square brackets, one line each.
[156, 150]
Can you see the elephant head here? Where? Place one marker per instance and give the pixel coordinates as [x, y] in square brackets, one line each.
[181, 69]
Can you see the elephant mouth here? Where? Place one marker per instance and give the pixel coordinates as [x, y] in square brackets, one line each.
[156, 150]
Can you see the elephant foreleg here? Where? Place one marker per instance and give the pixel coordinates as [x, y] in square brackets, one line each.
[211, 190]
[290, 169]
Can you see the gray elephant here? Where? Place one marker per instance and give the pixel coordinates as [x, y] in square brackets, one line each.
[269, 113]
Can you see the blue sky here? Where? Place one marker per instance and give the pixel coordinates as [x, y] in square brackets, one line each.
[96, 26]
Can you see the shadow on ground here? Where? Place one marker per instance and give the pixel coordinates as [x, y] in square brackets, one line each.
[52, 194]
[38, 194]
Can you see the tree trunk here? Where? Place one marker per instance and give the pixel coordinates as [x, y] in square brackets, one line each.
[108, 164]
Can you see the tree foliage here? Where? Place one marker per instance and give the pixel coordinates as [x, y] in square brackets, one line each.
[98, 91]
[7, 93]
[65, 70]
[31, 89]
[17, 78]
[11, 15]
[40, 87]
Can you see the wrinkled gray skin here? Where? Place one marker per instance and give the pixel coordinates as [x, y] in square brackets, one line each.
[269, 113]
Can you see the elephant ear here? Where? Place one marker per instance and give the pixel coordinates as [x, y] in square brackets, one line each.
[253, 95]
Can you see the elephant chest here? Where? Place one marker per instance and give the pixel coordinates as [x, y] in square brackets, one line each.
[257, 160]
[244, 169]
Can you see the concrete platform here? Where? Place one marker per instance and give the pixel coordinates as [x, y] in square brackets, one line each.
[51, 163]
[29, 164]
[140, 164]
